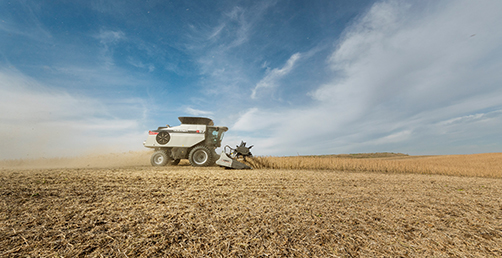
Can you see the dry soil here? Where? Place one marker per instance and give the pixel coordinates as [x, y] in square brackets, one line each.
[141, 211]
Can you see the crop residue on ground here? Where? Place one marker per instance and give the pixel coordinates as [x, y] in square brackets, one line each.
[194, 212]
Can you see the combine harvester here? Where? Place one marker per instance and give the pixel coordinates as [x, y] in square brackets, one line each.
[196, 139]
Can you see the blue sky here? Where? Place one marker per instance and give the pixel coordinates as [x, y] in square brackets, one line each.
[290, 77]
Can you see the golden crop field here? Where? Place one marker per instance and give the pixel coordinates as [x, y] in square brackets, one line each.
[479, 165]
[119, 206]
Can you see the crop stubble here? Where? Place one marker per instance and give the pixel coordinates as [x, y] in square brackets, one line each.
[195, 212]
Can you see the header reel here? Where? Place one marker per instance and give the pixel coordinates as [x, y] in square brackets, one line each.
[229, 156]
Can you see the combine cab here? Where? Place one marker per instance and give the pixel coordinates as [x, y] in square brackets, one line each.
[196, 139]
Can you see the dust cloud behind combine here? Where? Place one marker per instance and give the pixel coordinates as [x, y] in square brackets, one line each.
[124, 159]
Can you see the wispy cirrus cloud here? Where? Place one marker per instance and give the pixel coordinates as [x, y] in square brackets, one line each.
[28, 25]
[239, 24]
[107, 37]
[222, 52]
[139, 64]
[272, 77]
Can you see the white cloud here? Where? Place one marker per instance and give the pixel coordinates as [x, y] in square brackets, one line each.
[107, 37]
[217, 31]
[392, 138]
[429, 59]
[251, 121]
[31, 27]
[238, 16]
[270, 80]
[139, 64]
[37, 121]
[398, 72]
[196, 112]
[245, 20]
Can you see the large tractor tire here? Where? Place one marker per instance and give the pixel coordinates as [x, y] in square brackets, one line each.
[162, 158]
[201, 156]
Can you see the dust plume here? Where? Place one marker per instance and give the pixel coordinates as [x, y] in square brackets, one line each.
[124, 159]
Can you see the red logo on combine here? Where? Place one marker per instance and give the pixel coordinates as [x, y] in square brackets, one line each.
[152, 133]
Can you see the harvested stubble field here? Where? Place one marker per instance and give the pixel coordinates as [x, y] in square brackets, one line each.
[141, 211]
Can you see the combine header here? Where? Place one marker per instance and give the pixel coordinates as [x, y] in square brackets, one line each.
[228, 157]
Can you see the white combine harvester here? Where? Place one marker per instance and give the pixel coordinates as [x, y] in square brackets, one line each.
[196, 139]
